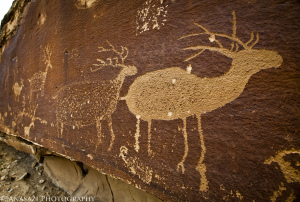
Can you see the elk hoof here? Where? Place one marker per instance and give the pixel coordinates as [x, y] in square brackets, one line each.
[180, 165]
[151, 153]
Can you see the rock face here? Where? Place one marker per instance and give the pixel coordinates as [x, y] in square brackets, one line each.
[186, 100]
[83, 181]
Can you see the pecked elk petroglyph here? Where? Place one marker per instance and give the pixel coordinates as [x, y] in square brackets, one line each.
[85, 103]
[173, 93]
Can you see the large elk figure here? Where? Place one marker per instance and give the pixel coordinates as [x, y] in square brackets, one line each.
[173, 93]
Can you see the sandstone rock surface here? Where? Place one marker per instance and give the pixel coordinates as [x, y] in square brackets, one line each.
[187, 100]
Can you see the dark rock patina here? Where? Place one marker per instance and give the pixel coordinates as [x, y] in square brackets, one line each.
[124, 87]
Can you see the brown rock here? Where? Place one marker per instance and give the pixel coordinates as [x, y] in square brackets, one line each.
[41, 181]
[4, 177]
[64, 173]
[95, 184]
[189, 100]
[22, 177]
[125, 192]
[34, 164]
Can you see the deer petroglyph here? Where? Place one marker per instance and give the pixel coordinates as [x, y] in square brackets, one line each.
[37, 82]
[173, 93]
[85, 103]
[32, 117]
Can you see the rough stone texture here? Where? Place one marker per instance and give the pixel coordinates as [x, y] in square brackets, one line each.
[75, 178]
[83, 181]
[188, 100]
[19, 145]
[21, 177]
[65, 173]
[95, 184]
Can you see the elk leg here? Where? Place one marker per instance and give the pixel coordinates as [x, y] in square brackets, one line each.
[186, 148]
[60, 128]
[150, 152]
[99, 134]
[201, 167]
[111, 133]
[137, 133]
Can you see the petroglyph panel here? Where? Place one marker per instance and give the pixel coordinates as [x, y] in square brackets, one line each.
[152, 15]
[189, 101]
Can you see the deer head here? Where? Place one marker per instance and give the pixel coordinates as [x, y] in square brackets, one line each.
[260, 58]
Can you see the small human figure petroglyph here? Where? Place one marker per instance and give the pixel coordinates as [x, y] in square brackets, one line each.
[17, 88]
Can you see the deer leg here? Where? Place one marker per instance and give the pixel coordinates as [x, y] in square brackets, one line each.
[42, 91]
[186, 148]
[201, 167]
[137, 133]
[150, 152]
[98, 126]
[60, 128]
[111, 133]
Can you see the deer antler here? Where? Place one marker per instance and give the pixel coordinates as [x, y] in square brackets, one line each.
[123, 57]
[212, 38]
[124, 50]
[233, 44]
[122, 54]
[224, 51]
[257, 38]
[213, 35]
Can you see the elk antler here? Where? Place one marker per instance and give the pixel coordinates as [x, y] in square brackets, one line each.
[124, 50]
[122, 54]
[224, 51]
[212, 38]
[251, 39]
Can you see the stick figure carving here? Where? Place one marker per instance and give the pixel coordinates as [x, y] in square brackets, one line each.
[17, 88]
[173, 93]
[85, 103]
